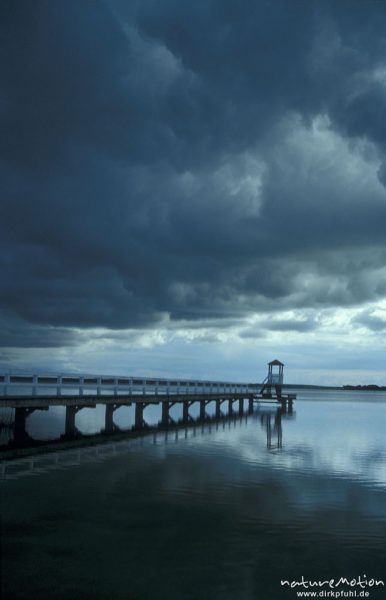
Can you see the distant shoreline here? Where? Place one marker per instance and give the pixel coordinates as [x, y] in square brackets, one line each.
[368, 388]
[361, 388]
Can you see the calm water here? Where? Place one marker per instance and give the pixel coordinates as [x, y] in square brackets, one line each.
[208, 513]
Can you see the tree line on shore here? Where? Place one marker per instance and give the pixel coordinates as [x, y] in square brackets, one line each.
[371, 387]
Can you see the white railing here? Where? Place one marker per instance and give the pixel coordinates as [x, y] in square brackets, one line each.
[36, 384]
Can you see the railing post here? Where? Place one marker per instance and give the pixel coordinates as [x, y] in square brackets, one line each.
[59, 385]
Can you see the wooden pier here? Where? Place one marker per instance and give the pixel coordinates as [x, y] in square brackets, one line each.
[26, 393]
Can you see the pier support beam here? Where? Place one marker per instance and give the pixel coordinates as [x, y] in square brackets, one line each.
[241, 406]
[230, 408]
[110, 426]
[20, 434]
[250, 406]
[202, 410]
[278, 391]
[71, 430]
[139, 420]
[70, 427]
[218, 409]
[185, 411]
[165, 413]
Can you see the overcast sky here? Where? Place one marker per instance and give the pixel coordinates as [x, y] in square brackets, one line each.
[193, 188]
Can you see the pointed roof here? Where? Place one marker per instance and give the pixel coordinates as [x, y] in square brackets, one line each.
[276, 362]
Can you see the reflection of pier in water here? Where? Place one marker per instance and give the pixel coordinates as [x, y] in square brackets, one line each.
[106, 447]
[64, 451]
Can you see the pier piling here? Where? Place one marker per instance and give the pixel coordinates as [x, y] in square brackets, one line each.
[218, 409]
[70, 427]
[241, 406]
[202, 410]
[20, 432]
[139, 421]
[110, 426]
[165, 413]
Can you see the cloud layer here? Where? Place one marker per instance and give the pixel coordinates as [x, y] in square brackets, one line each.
[171, 163]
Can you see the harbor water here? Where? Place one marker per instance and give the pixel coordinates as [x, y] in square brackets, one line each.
[251, 507]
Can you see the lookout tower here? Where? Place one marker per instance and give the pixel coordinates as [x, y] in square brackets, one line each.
[274, 379]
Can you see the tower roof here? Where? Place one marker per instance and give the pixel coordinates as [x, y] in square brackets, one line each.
[276, 362]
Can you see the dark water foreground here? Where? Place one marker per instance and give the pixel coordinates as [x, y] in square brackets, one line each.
[210, 512]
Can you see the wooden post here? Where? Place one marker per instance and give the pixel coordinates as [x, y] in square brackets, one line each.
[165, 413]
[70, 428]
[218, 409]
[20, 418]
[241, 406]
[19, 431]
[250, 405]
[185, 411]
[109, 418]
[202, 409]
[230, 408]
[138, 415]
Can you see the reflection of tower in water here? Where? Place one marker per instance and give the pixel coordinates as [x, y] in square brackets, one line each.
[272, 422]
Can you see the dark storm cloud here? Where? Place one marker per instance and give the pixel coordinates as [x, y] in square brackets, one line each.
[189, 161]
[17, 333]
